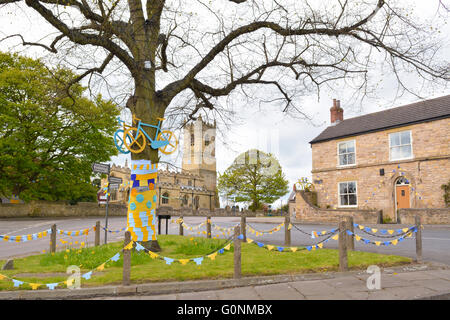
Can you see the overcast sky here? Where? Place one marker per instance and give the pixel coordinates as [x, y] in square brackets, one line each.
[269, 130]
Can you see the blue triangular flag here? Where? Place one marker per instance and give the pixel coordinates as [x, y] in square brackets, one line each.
[309, 248]
[240, 237]
[400, 239]
[383, 231]
[17, 283]
[280, 248]
[139, 247]
[366, 241]
[51, 286]
[399, 230]
[355, 225]
[260, 244]
[221, 251]
[349, 232]
[87, 275]
[198, 261]
[386, 243]
[367, 229]
[168, 260]
[116, 257]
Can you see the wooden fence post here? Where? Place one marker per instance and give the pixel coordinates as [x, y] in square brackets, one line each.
[343, 260]
[418, 239]
[181, 226]
[126, 260]
[243, 228]
[97, 233]
[208, 227]
[53, 239]
[237, 253]
[287, 231]
[350, 238]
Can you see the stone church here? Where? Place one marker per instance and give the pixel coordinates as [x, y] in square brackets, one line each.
[191, 186]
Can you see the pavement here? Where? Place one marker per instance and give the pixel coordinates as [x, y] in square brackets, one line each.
[417, 281]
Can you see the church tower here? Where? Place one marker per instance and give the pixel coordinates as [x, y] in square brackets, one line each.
[199, 151]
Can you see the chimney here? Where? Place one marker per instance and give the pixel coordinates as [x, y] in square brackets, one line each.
[336, 112]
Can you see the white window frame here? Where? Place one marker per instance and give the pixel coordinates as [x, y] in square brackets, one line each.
[337, 152]
[411, 144]
[339, 195]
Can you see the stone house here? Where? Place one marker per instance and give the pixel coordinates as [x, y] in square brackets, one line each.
[388, 160]
[191, 186]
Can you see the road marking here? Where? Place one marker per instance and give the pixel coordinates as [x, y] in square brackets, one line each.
[436, 239]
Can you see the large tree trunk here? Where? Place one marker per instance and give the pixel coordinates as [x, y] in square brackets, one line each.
[141, 216]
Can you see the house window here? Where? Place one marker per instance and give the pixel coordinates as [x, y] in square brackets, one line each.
[165, 198]
[347, 194]
[400, 145]
[346, 153]
[192, 139]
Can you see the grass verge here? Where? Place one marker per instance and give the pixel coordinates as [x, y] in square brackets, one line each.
[48, 268]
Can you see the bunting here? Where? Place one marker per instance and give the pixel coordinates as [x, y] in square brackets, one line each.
[409, 232]
[34, 286]
[182, 261]
[27, 237]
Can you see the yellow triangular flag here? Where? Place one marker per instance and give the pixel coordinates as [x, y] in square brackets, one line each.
[129, 246]
[323, 232]
[374, 230]
[377, 243]
[405, 229]
[361, 227]
[69, 282]
[270, 247]
[34, 286]
[335, 237]
[290, 226]
[357, 238]
[409, 235]
[2, 277]
[183, 261]
[394, 242]
[228, 246]
[391, 231]
[293, 249]
[212, 256]
[249, 240]
[101, 267]
[320, 245]
[153, 255]
[314, 247]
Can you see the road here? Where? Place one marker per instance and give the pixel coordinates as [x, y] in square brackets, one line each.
[436, 239]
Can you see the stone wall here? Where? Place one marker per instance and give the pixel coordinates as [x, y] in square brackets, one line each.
[92, 209]
[59, 209]
[428, 216]
[426, 171]
[305, 211]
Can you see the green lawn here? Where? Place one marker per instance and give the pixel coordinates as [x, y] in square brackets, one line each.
[47, 268]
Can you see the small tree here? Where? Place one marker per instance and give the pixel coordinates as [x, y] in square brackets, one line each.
[254, 177]
[48, 141]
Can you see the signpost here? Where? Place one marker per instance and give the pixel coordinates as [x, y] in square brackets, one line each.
[104, 168]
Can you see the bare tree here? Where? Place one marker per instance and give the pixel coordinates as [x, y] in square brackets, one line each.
[201, 51]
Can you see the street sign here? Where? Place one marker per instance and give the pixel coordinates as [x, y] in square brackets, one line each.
[115, 180]
[114, 186]
[100, 168]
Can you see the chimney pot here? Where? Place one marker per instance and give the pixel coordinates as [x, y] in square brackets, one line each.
[336, 112]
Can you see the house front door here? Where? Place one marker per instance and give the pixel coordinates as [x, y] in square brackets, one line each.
[402, 193]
